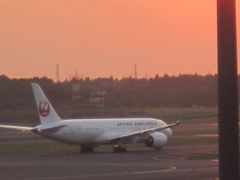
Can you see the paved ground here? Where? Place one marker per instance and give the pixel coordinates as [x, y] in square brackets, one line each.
[190, 161]
[170, 163]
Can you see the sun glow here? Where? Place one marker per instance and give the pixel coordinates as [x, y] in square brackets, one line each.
[103, 38]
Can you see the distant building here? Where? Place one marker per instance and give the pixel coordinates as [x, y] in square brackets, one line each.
[94, 98]
[97, 98]
[76, 92]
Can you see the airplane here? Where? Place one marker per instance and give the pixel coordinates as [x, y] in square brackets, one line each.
[90, 133]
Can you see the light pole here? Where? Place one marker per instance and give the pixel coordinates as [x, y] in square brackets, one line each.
[227, 91]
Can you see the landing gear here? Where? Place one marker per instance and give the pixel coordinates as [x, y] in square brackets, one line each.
[119, 149]
[86, 149]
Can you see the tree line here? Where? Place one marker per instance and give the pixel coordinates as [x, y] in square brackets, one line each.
[186, 90]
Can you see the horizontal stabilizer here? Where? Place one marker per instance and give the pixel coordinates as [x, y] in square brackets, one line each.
[21, 128]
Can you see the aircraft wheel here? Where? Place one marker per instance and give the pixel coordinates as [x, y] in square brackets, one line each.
[86, 149]
[119, 149]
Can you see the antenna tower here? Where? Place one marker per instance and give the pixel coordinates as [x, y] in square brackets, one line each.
[57, 74]
[135, 71]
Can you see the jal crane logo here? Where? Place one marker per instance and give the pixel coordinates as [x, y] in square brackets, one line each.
[44, 108]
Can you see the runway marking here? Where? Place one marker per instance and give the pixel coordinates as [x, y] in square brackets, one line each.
[156, 158]
[206, 135]
[73, 165]
[108, 174]
[156, 171]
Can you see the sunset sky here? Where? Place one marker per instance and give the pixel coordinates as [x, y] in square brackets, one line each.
[102, 38]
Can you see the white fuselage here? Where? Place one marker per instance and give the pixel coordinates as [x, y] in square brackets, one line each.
[99, 131]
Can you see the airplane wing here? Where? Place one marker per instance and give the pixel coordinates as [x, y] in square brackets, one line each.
[21, 128]
[142, 132]
[31, 129]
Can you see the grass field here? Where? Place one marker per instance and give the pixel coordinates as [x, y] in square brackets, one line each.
[198, 128]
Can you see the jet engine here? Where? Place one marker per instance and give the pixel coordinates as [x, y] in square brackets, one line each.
[156, 140]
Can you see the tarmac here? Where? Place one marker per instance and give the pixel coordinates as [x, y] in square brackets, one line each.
[171, 163]
[192, 161]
